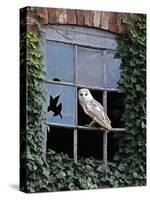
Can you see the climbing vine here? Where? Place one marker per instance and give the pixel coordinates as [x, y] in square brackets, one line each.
[58, 171]
[32, 158]
[132, 51]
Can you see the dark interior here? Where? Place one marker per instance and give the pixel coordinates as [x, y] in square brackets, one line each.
[90, 144]
[112, 146]
[60, 140]
[115, 108]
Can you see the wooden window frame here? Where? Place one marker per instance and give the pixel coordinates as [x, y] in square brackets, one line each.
[86, 37]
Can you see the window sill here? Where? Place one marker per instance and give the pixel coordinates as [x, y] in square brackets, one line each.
[85, 127]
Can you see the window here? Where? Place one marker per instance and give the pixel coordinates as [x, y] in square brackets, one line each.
[77, 57]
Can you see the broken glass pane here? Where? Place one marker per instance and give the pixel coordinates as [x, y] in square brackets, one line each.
[113, 69]
[115, 108]
[90, 144]
[90, 67]
[59, 61]
[61, 104]
[60, 140]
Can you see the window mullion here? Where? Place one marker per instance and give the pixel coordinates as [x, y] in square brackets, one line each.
[75, 145]
[75, 133]
[105, 109]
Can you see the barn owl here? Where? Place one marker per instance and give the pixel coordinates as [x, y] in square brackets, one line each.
[93, 109]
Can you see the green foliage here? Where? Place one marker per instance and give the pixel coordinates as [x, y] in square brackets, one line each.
[132, 51]
[32, 158]
[88, 173]
[59, 172]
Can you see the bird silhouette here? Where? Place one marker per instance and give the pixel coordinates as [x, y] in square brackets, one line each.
[56, 79]
[56, 109]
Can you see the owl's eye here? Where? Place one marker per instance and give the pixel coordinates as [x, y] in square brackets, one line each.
[81, 95]
[86, 94]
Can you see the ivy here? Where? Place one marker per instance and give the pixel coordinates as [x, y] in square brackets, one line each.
[132, 51]
[88, 173]
[56, 171]
[32, 158]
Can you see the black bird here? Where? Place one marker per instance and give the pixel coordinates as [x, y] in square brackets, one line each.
[53, 106]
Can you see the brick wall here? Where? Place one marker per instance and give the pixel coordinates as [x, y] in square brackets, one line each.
[109, 21]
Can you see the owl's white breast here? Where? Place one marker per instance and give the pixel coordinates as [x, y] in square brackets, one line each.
[86, 107]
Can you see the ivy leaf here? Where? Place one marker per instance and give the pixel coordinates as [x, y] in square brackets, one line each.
[143, 125]
[138, 87]
[133, 79]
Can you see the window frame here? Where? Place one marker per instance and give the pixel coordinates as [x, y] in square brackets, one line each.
[80, 36]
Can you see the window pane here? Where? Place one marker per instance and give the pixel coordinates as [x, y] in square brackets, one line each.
[113, 69]
[113, 145]
[115, 109]
[61, 104]
[90, 67]
[90, 144]
[60, 140]
[60, 61]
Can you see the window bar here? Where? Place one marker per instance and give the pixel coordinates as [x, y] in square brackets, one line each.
[75, 145]
[75, 133]
[105, 109]
[59, 83]
[105, 133]
[82, 86]
[118, 130]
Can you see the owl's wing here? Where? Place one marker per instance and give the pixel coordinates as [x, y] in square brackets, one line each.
[96, 111]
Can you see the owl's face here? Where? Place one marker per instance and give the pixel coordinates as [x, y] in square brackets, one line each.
[84, 95]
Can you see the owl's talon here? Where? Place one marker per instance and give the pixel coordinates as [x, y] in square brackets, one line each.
[87, 125]
[92, 123]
